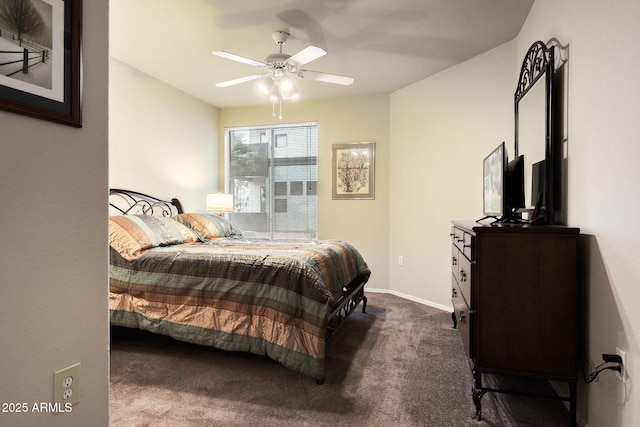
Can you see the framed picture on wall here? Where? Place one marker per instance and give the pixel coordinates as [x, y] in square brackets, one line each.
[353, 170]
[40, 59]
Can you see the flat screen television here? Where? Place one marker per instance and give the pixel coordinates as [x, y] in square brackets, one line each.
[493, 181]
[503, 186]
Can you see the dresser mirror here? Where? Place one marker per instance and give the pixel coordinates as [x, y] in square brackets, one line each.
[533, 125]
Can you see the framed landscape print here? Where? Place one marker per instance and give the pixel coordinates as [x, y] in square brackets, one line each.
[353, 170]
[40, 59]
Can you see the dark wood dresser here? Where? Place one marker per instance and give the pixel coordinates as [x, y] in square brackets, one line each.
[514, 295]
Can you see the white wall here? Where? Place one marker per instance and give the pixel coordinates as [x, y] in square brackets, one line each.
[441, 130]
[364, 223]
[53, 248]
[443, 126]
[603, 134]
[162, 141]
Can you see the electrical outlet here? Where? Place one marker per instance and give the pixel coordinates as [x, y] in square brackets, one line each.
[66, 385]
[623, 371]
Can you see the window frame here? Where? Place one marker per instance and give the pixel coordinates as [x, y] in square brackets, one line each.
[272, 139]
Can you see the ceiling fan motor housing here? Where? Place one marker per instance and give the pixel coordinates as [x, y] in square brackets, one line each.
[277, 58]
[280, 37]
[278, 61]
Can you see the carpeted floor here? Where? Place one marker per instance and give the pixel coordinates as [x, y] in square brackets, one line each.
[400, 364]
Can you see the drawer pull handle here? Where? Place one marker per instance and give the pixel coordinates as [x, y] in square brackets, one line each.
[454, 293]
[454, 260]
[463, 276]
[462, 317]
[466, 246]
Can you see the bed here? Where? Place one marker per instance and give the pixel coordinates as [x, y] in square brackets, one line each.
[196, 278]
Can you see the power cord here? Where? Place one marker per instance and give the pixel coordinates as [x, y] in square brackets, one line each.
[593, 376]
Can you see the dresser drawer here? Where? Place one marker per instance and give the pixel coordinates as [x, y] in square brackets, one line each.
[463, 240]
[467, 245]
[463, 316]
[457, 237]
[464, 275]
[455, 262]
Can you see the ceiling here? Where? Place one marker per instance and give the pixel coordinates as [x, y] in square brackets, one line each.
[384, 45]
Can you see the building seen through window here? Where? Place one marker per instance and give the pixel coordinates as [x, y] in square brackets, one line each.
[272, 173]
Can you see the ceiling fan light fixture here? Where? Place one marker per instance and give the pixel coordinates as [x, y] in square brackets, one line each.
[265, 85]
[286, 85]
[279, 72]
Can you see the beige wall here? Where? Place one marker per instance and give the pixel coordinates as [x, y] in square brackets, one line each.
[53, 249]
[441, 130]
[364, 223]
[162, 141]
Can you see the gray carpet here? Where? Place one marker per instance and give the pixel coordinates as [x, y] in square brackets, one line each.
[400, 364]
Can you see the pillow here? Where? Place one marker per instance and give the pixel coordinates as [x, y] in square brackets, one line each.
[131, 235]
[209, 227]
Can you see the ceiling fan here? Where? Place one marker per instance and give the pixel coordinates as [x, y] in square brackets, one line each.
[280, 65]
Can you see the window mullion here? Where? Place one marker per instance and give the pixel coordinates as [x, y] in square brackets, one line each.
[272, 215]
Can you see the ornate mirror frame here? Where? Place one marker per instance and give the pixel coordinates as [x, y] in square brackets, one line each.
[533, 124]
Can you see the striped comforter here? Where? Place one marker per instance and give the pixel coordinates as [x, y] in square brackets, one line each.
[263, 297]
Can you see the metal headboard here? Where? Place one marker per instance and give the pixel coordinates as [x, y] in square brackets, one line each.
[128, 202]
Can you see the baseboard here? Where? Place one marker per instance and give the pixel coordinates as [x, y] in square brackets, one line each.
[409, 297]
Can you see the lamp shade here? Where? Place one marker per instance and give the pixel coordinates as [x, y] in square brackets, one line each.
[220, 202]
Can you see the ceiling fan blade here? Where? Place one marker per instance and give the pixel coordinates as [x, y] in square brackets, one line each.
[325, 77]
[306, 55]
[238, 58]
[238, 81]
